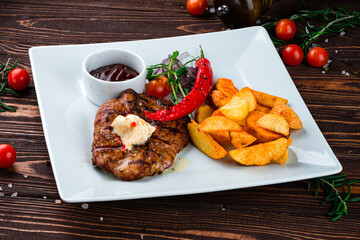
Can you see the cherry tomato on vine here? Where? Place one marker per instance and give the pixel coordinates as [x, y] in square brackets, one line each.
[292, 55]
[7, 155]
[19, 79]
[158, 87]
[285, 29]
[317, 57]
[196, 7]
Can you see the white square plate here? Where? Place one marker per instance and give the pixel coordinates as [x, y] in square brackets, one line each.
[247, 56]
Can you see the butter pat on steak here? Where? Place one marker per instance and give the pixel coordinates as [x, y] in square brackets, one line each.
[148, 159]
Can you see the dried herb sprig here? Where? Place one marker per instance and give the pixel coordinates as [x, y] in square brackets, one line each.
[337, 20]
[330, 184]
[4, 85]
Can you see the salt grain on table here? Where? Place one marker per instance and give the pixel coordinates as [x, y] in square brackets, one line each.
[25, 176]
[343, 72]
[1, 189]
[347, 74]
[85, 206]
[336, 51]
[57, 201]
[44, 197]
[342, 33]
[14, 194]
[101, 218]
[323, 72]
[10, 185]
[258, 21]
[2, 194]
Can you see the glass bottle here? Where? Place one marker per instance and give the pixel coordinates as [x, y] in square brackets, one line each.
[240, 13]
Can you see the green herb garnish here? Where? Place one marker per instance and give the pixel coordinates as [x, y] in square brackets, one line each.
[337, 20]
[172, 75]
[330, 184]
[4, 71]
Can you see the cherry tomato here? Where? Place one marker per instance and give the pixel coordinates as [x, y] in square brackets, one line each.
[19, 79]
[7, 155]
[317, 57]
[292, 55]
[158, 87]
[196, 7]
[285, 29]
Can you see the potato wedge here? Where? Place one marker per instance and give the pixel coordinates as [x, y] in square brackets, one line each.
[246, 94]
[260, 154]
[290, 115]
[203, 112]
[267, 99]
[274, 122]
[218, 123]
[262, 134]
[289, 141]
[226, 86]
[236, 109]
[282, 159]
[219, 98]
[218, 113]
[241, 139]
[205, 142]
[221, 137]
[262, 108]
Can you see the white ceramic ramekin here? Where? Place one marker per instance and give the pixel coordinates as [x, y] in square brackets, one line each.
[100, 91]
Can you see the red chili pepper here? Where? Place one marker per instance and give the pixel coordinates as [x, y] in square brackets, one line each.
[202, 87]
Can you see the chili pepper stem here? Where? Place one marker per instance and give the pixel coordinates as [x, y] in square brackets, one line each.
[201, 52]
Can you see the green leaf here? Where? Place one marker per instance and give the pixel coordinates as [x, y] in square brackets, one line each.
[13, 92]
[181, 71]
[354, 199]
[175, 55]
[336, 218]
[149, 73]
[186, 90]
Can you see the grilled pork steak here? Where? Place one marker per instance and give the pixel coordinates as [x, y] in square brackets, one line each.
[149, 159]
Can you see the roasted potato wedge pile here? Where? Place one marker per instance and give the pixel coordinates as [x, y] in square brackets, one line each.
[257, 124]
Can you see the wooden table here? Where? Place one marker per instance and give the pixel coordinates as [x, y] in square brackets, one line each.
[283, 211]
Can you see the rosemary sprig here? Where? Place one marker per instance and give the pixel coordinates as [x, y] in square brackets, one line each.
[4, 85]
[338, 19]
[330, 184]
[172, 75]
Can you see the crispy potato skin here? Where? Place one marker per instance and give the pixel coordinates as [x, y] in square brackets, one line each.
[262, 108]
[203, 112]
[261, 154]
[290, 115]
[226, 86]
[246, 94]
[205, 142]
[218, 123]
[275, 123]
[263, 135]
[236, 109]
[268, 100]
[241, 139]
[222, 137]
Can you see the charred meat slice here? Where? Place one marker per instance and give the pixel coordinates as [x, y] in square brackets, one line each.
[149, 159]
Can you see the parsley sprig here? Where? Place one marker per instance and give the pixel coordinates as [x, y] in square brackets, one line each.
[4, 85]
[330, 184]
[172, 75]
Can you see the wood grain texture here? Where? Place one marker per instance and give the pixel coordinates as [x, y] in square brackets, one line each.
[283, 211]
